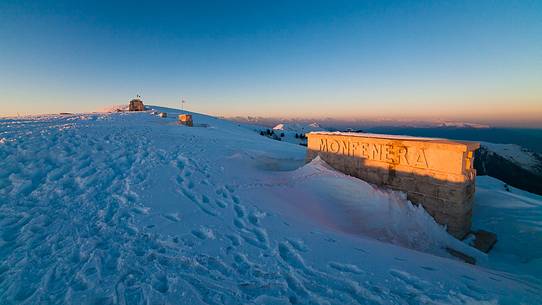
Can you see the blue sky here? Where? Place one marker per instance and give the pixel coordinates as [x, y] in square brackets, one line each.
[478, 61]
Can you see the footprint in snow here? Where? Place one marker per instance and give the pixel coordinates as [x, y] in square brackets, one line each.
[331, 240]
[345, 267]
[204, 233]
[160, 283]
[190, 184]
[220, 203]
[239, 211]
[141, 210]
[298, 244]
[360, 250]
[175, 217]
[235, 239]
[428, 268]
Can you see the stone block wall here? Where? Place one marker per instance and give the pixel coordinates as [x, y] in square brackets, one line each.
[136, 105]
[186, 119]
[436, 173]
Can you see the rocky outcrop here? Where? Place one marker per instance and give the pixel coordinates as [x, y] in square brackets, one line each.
[490, 163]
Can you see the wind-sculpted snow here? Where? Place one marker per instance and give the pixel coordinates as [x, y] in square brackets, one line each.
[363, 209]
[129, 208]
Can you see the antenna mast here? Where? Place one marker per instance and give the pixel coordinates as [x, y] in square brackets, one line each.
[182, 104]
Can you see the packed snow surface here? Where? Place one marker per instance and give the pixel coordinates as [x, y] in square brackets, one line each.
[130, 208]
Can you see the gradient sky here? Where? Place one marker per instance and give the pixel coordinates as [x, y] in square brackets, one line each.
[477, 61]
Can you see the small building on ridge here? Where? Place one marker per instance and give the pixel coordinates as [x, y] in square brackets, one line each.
[136, 105]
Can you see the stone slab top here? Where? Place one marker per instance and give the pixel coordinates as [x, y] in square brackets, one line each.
[470, 145]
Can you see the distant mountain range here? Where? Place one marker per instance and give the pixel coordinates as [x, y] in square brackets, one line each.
[336, 124]
[461, 125]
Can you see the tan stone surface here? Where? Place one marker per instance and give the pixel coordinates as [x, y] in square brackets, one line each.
[435, 173]
[136, 105]
[186, 119]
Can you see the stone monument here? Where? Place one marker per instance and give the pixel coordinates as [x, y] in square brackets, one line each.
[436, 173]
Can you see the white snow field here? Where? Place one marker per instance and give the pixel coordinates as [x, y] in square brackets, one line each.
[130, 208]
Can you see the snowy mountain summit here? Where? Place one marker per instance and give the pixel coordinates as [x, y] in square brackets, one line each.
[298, 127]
[132, 208]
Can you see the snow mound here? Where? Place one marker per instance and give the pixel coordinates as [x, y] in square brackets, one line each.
[354, 206]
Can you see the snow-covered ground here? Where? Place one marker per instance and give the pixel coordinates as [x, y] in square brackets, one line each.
[516, 217]
[129, 208]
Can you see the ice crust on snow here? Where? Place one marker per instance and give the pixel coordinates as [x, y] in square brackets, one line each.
[130, 208]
